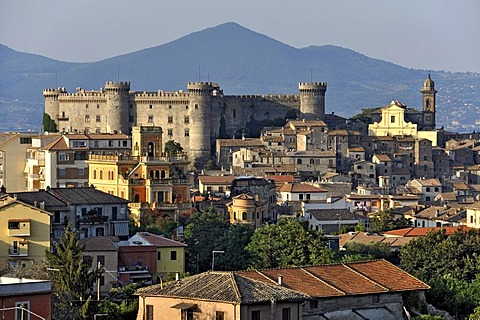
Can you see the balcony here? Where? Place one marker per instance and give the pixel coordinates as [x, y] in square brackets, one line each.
[19, 228]
[18, 251]
[133, 269]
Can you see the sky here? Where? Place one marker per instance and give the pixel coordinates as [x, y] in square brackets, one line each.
[420, 34]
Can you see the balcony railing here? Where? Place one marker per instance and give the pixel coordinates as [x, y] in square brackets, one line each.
[133, 268]
[18, 252]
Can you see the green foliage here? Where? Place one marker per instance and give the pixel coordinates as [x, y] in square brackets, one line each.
[360, 227]
[291, 114]
[172, 147]
[233, 242]
[288, 243]
[222, 131]
[211, 165]
[365, 115]
[120, 304]
[37, 270]
[375, 250]
[385, 221]
[428, 317]
[254, 127]
[48, 124]
[450, 265]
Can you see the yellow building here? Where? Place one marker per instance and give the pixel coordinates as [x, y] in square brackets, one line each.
[26, 234]
[393, 122]
[247, 209]
[146, 177]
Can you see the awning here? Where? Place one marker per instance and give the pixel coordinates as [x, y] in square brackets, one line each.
[121, 228]
[184, 306]
[141, 276]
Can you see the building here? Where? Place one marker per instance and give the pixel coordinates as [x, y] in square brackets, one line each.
[363, 290]
[61, 160]
[215, 185]
[26, 235]
[25, 298]
[191, 117]
[247, 209]
[329, 221]
[12, 152]
[426, 189]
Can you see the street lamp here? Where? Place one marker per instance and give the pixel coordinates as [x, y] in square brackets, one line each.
[213, 257]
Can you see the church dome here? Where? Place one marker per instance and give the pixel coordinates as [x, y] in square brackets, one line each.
[429, 84]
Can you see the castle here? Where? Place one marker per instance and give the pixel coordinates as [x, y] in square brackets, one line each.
[194, 118]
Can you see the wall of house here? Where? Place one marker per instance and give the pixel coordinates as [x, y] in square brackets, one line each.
[38, 303]
[166, 264]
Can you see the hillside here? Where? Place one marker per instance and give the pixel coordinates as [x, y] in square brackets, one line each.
[241, 61]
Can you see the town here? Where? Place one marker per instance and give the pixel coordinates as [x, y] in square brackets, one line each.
[199, 205]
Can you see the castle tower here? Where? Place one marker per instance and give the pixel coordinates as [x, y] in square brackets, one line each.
[147, 141]
[312, 100]
[52, 106]
[200, 113]
[116, 115]
[428, 105]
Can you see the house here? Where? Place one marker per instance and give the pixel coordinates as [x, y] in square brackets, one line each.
[170, 254]
[137, 262]
[426, 189]
[473, 215]
[438, 216]
[91, 211]
[329, 220]
[13, 146]
[394, 243]
[226, 147]
[364, 290]
[22, 298]
[103, 252]
[294, 194]
[247, 209]
[214, 185]
[26, 235]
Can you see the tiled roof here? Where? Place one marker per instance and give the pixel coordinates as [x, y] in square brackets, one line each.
[160, 241]
[51, 202]
[447, 196]
[99, 243]
[337, 133]
[439, 213]
[223, 286]
[460, 186]
[475, 206]
[272, 138]
[300, 188]
[332, 214]
[216, 179]
[277, 178]
[58, 144]
[419, 232]
[356, 149]
[307, 123]
[248, 142]
[325, 281]
[429, 182]
[382, 157]
[85, 195]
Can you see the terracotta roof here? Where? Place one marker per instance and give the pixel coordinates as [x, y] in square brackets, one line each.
[382, 157]
[429, 182]
[447, 196]
[356, 149]
[107, 136]
[325, 281]
[475, 205]
[460, 186]
[99, 243]
[439, 213]
[272, 138]
[160, 241]
[307, 123]
[277, 178]
[420, 232]
[337, 133]
[216, 179]
[300, 188]
[223, 286]
[248, 142]
[58, 144]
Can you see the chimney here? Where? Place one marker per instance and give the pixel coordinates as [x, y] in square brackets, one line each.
[177, 276]
[437, 214]
[280, 280]
[42, 205]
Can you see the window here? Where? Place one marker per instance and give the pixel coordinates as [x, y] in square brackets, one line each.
[173, 255]
[392, 119]
[187, 133]
[150, 119]
[187, 119]
[285, 313]
[427, 189]
[150, 106]
[97, 118]
[63, 157]
[196, 107]
[186, 107]
[299, 161]
[62, 172]
[110, 143]
[219, 315]
[101, 260]
[87, 118]
[25, 140]
[94, 174]
[98, 106]
[308, 196]
[170, 119]
[81, 172]
[149, 312]
[312, 161]
[159, 256]
[170, 132]
[169, 106]
[234, 112]
[256, 315]
[300, 196]
[101, 174]
[99, 232]
[314, 304]
[234, 215]
[21, 312]
[13, 225]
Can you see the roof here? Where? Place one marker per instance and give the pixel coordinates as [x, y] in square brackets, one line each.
[216, 179]
[368, 238]
[223, 286]
[307, 123]
[382, 157]
[248, 142]
[99, 243]
[325, 281]
[57, 144]
[85, 195]
[447, 196]
[419, 232]
[429, 182]
[277, 178]
[51, 202]
[332, 214]
[300, 188]
[159, 241]
[460, 186]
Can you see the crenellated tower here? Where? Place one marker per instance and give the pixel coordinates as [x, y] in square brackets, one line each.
[428, 103]
[200, 113]
[116, 115]
[312, 100]
[147, 141]
[52, 106]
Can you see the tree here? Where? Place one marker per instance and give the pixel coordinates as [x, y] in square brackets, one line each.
[385, 221]
[200, 234]
[172, 147]
[73, 276]
[288, 243]
[233, 243]
[211, 165]
[48, 125]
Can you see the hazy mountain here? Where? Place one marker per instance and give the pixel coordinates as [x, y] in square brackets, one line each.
[241, 61]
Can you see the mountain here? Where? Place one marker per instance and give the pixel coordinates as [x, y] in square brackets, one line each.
[241, 61]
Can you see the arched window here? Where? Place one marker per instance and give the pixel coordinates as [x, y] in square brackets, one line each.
[101, 174]
[253, 215]
[157, 174]
[94, 174]
[427, 103]
[162, 174]
[151, 149]
[244, 215]
[150, 174]
[234, 215]
[137, 197]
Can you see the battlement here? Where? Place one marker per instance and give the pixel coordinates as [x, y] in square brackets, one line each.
[124, 86]
[53, 92]
[321, 86]
[202, 86]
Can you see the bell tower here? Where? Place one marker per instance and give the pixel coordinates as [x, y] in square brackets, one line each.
[428, 103]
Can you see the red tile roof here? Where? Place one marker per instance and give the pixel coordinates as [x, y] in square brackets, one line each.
[216, 179]
[419, 232]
